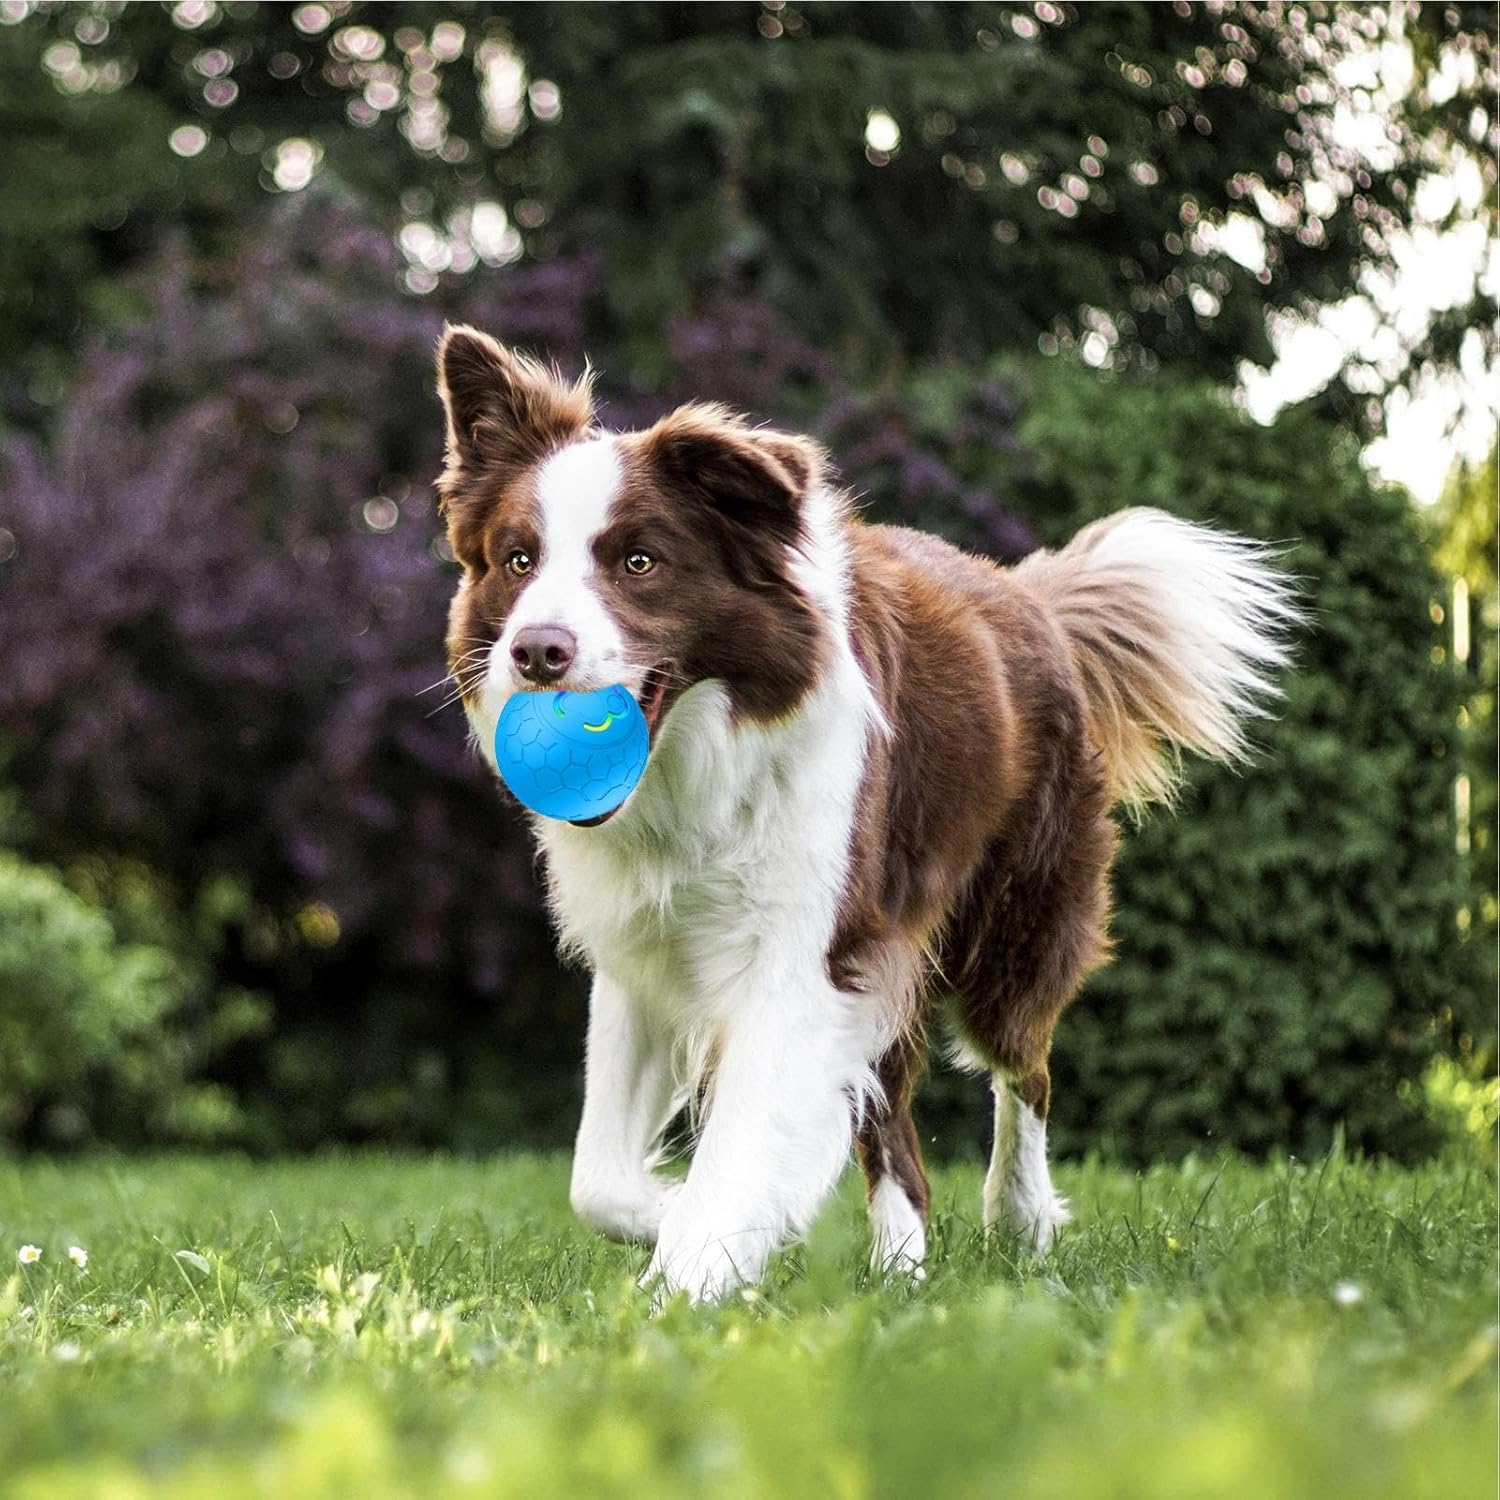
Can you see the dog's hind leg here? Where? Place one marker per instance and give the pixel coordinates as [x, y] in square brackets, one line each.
[891, 1156]
[1018, 1191]
[1031, 931]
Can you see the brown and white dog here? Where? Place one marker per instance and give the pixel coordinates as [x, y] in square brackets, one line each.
[881, 779]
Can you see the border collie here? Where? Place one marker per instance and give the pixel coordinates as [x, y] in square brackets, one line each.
[881, 780]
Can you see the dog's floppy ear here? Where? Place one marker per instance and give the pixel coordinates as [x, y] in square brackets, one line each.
[503, 409]
[749, 475]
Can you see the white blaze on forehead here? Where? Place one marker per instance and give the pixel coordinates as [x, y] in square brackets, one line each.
[575, 491]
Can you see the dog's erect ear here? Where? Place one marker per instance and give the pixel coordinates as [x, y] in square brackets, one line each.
[749, 475]
[503, 408]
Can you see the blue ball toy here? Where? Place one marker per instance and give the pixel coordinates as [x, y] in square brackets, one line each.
[572, 756]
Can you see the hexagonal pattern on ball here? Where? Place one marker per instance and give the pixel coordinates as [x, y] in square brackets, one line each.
[572, 755]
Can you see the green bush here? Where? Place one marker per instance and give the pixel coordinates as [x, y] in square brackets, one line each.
[91, 1030]
[1463, 533]
[1287, 961]
[1462, 1097]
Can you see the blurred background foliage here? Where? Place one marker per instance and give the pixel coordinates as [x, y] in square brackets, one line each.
[1006, 261]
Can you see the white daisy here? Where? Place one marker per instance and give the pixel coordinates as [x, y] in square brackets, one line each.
[29, 1255]
[79, 1256]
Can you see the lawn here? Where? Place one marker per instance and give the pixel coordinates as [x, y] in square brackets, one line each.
[367, 1325]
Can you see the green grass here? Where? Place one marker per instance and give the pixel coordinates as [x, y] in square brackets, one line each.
[366, 1326]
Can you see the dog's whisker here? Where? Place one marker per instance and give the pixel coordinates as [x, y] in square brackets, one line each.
[655, 669]
[467, 661]
[447, 702]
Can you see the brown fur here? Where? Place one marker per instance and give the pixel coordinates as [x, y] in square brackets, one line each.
[1145, 692]
[721, 501]
[984, 841]
[716, 499]
[505, 413]
[887, 1138]
[1021, 703]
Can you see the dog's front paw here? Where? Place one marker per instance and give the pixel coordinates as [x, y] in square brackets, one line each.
[706, 1263]
[623, 1211]
[706, 1277]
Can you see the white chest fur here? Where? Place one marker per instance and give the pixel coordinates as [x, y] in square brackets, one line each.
[707, 908]
[726, 867]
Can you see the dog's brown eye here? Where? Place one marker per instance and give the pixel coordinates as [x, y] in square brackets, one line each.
[518, 562]
[639, 562]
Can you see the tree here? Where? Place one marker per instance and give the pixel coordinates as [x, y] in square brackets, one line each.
[897, 180]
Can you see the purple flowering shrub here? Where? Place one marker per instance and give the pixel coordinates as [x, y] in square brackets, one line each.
[223, 606]
[224, 612]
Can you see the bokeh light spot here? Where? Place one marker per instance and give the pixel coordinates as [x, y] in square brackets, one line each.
[447, 41]
[191, 14]
[380, 513]
[318, 925]
[188, 140]
[296, 161]
[882, 133]
[545, 99]
[311, 19]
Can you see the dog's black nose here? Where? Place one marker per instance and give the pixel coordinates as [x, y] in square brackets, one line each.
[542, 653]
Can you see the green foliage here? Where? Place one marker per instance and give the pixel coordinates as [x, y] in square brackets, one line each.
[376, 1327]
[92, 1024]
[1286, 951]
[79, 180]
[1067, 170]
[1463, 1100]
[1464, 530]
[1287, 961]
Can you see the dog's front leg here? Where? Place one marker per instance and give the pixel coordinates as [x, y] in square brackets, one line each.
[777, 1135]
[628, 1098]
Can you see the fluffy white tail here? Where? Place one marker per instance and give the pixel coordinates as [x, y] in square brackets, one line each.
[1176, 631]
